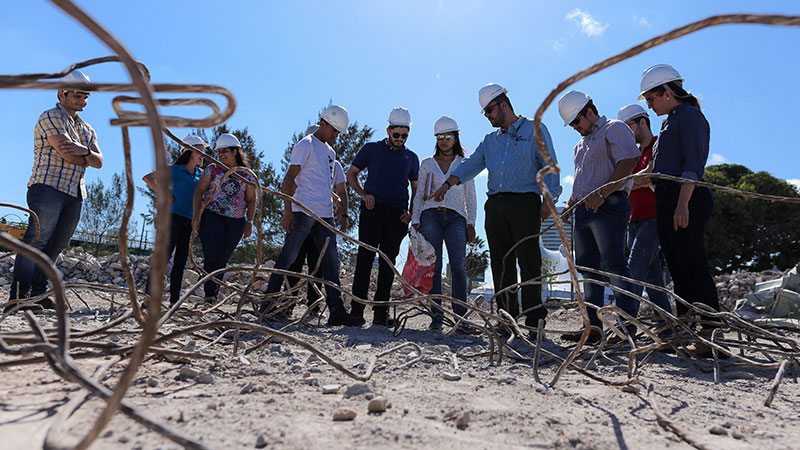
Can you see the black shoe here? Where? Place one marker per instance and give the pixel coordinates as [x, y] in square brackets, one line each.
[358, 320]
[46, 303]
[384, 320]
[436, 325]
[465, 328]
[594, 336]
[341, 317]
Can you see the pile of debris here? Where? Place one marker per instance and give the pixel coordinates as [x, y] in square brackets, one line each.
[734, 287]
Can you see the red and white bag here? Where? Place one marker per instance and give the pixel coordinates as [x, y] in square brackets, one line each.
[420, 263]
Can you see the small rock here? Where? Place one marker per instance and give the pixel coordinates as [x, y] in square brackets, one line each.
[247, 388]
[189, 372]
[377, 405]
[189, 347]
[183, 417]
[152, 382]
[108, 434]
[331, 388]
[212, 405]
[123, 439]
[718, 430]
[736, 434]
[462, 421]
[630, 389]
[540, 388]
[357, 389]
[206, 378]
[363, 347]
[449, 376]
[244, 360]
[311, 381]
[261, 440]
[113, 338]
[344, 414]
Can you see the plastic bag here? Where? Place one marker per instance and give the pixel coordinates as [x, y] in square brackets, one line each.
[420, 263]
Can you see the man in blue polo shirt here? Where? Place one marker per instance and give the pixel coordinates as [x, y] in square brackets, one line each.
[384, 215]
[514, 208]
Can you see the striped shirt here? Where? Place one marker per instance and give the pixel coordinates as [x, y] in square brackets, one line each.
[48, 166]
[597, 155]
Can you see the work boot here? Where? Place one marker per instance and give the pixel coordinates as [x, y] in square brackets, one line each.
[594, 336]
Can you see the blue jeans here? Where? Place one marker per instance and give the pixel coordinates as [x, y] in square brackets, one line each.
[304, 226]
[600, 244]
[219, 235]
[58, 214]
[444, 224]
[643, 260]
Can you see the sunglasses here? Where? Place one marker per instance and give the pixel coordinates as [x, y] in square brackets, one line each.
[489, 109]
[445, 137]
[652, 97]
[576, 120]
[223, 151]
[400, 136]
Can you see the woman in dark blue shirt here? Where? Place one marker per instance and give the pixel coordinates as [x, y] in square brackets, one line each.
[185, 172]
[683, 209]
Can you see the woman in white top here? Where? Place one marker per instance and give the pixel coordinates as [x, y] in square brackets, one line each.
[452, 220]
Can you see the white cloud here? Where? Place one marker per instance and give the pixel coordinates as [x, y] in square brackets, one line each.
[642, 22]
[589, 26]
[716, 158]
[795, 182]
[569, 179]
[558, 45]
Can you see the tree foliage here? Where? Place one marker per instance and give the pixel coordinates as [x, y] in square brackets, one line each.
[477, 260]
[102, 211]
[751, 234]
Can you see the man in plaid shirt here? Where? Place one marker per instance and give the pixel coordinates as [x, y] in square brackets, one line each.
[64, 145]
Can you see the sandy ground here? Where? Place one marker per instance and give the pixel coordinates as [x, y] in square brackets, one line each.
[273, 397]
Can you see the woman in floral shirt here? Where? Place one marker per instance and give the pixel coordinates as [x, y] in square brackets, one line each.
[229, 214]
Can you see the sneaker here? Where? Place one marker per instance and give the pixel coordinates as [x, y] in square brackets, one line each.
[465, 328]
[341, 317]
[594, 336]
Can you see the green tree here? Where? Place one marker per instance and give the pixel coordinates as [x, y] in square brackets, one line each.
[477, 261]
[751, 234]
[346, 147]
[102, 211]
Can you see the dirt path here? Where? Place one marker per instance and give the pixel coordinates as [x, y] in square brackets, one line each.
[277, 392]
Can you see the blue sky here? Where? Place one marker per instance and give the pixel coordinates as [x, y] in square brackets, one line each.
[285, 60]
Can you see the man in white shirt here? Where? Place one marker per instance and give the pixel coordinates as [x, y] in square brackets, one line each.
[310, 181]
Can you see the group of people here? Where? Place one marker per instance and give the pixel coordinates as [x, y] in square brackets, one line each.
[441, 202]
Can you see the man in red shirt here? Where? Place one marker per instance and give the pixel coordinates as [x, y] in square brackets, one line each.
[643, 260]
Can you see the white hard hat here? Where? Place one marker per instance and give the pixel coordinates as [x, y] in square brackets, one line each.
[337, 117]
[656, 76]
[227, 140]
[489, 93]
[399, 117]
[571, 104]
[445, 124]
[194, 141]
[311, 129]
[629, 112]
[76, 76]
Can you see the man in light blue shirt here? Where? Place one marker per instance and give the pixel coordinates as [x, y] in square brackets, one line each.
[514, 209]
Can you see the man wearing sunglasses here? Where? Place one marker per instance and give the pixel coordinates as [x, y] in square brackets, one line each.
[63, 146]
[606, 152]
[384, 215]
[514, 208]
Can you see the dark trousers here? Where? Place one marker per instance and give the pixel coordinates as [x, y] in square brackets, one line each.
[510, 217]
[306, 227]
[379, 227]
[219, 235]
[685, 249]
[309, 254]
[179, 233]
[58, 215]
